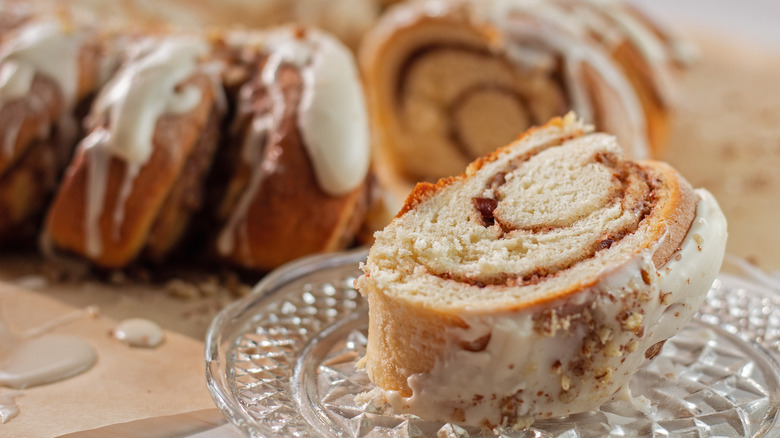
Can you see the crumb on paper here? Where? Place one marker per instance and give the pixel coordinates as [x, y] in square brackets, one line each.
[182, 289]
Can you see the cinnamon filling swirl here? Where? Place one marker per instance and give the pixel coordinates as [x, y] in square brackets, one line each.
[585, 204]
[450, 96]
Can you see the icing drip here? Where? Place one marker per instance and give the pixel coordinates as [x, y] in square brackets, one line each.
[285, 50]
[336, 140]
[41, 47]
[45, 360]
[139, 332]
[656, 52]
[615, 24]
[252, 154]
[333, 119]
[36, 358]
[131, 171]
[99, 159]
[8, 407]
[146, 88]
[89, 311]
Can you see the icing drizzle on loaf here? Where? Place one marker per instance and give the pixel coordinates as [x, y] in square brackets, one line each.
[44, 48]
[331, 117]
[146, 88]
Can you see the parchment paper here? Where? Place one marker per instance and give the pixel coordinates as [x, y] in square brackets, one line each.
[125, 384]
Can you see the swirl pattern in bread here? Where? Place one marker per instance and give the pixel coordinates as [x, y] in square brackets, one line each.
[537, 282]
[449, 81]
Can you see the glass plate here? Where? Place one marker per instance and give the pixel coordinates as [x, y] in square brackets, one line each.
[281, 362]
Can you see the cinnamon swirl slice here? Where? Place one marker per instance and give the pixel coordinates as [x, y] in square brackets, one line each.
[137, 176]
[449, 81]
[48, 68]
[298, 185]
[537, 282]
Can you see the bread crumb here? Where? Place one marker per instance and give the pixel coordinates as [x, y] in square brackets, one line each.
[181, 289]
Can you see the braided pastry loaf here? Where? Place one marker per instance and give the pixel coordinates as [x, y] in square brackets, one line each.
[248, 136]
[537, 282]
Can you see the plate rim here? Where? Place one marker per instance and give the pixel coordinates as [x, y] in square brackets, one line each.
[221, 330]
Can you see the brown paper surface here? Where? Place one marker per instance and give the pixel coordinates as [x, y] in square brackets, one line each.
[125, 384]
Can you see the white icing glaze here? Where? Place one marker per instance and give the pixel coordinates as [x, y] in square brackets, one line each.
[97, 177]
[520, 361]
[8, 407]
[332, 119]
[139, 332]
[33, 281]
[45, 360]
[89, 311]
[144, 89]
[332, 114]
[40, 47]
[37, 358]
[253, 155]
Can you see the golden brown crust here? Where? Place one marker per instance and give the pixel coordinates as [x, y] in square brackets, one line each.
[186, 196]
[675, 211]
[174, 138]
[26, 188]
[291, 216]
[413, 346]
